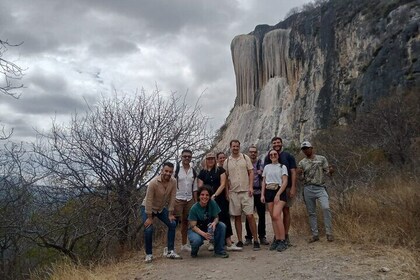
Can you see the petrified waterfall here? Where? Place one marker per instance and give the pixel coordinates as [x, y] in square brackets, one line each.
[319, 69]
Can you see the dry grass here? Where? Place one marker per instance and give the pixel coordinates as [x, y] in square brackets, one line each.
[382, 220]
[384, 214]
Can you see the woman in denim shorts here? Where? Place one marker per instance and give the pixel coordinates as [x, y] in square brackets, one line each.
[273, 193]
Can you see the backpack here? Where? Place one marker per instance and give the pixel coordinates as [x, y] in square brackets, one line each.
[258, 168]
[227, 164]
[177, 168]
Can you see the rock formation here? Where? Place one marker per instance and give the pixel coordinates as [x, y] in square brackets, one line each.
[320, 68]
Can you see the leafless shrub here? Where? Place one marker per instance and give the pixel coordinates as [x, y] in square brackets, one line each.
[97, 166]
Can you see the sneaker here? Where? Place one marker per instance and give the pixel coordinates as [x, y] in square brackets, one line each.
[330, 237]
[186, 248]
[313, 239]
[240, 244]
[281, 246]
[233, 247]
[211, 247]
[248, 241]
[165, 251]
[263, 241]
[221, 255]
[148, 258]
[274, 245]
[172, 255]
[256, 246]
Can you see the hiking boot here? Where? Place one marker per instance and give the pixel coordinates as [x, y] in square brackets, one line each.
[240, 244]
[233, 247]
[263, 241]
[313, 239]
[222, 255]
[256, 246]
[248, 242]
[172, 255]
[281, 246]
[274, 245]
[148, 258]
[330, 237]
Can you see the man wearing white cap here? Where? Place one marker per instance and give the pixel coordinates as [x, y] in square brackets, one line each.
[312, 169]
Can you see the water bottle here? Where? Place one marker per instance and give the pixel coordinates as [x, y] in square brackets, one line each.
[210, 230]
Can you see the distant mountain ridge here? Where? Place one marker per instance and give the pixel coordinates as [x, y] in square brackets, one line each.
[321, 68]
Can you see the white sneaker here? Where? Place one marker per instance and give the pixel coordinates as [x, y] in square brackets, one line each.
[211, 247]
[148, 258]
[172, 255]
[186, 247]
[233, 247]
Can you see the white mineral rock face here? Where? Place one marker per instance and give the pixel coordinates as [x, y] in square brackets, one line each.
[319, 70]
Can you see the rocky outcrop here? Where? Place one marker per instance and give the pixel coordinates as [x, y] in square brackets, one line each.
[320, 68]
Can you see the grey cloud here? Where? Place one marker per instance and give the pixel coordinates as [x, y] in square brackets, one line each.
[46, 94]
[55, 25]
[21, 128]
[49, 104]
[46, 82]
[113, 47]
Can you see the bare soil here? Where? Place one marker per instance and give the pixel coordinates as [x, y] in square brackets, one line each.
[319, 260]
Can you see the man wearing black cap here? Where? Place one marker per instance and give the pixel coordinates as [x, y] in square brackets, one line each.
[312, 170]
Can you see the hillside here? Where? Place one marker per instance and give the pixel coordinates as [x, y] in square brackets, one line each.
[321, 68]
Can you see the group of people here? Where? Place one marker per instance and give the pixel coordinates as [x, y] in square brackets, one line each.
[233, 186]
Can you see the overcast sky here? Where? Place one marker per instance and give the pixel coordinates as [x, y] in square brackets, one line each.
[79, 50]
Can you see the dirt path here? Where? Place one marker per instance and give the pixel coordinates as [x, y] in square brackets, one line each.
[320, 260]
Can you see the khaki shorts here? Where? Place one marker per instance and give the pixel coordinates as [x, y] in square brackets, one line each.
[182, 208]
[290, 201]
[240, 202]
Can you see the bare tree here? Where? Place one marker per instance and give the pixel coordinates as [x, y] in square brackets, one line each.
[111, 152]
[379, 141]
[12, 73]
[17, 174]
[392, 125]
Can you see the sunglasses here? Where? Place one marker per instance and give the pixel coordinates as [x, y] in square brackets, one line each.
[186, 156]
[273, 155]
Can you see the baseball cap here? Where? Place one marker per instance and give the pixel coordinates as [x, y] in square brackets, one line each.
[306, 144]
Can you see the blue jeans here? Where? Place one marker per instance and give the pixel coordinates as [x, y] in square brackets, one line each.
[197, 240]
[148, 232]
[311, 193]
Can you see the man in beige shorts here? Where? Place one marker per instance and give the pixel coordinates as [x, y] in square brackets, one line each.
[240, 174]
